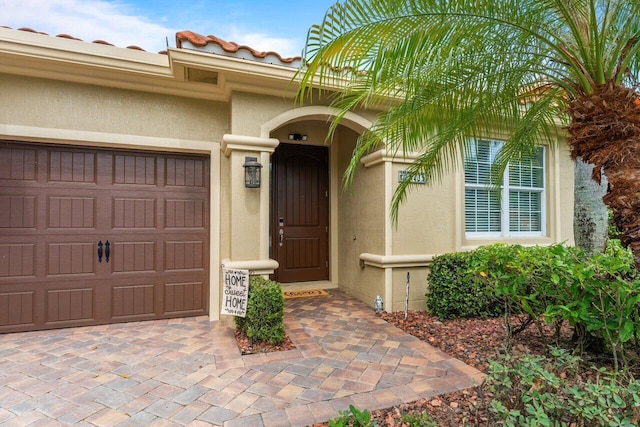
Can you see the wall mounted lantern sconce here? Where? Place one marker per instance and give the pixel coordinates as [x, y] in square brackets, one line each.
[251, 172]
[297, 137]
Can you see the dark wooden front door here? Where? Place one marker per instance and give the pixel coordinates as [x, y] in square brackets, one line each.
[300, 213]
[94, 236]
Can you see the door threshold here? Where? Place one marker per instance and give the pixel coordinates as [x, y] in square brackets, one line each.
[299, 286]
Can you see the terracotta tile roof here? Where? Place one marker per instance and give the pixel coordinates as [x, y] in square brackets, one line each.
[67, 36]
[213, 44]
[210, 44]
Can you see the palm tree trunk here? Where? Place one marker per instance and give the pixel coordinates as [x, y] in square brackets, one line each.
[623, 197]
[605, 132]
[590, 215]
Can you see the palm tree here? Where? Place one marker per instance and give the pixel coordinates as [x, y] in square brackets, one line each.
[447, 72]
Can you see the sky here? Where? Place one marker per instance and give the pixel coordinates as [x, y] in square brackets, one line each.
[265, 25]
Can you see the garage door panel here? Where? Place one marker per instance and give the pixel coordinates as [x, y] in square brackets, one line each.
[184, 255]
[134, 212]
[70, 304]
[134, 169]
[17, 211]
[184, 297]
[17, 164]
[71, 212]
[72, 166]
[182, 172]
[17, 308]
[17, 260]
[70, 258]
[134, 257]
[133, 300]
[185, 213]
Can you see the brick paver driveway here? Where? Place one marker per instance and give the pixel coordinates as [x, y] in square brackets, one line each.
[190, 371]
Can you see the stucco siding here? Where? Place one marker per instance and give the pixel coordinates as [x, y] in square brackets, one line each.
[61, 105]
[361, 224]
[427, 219]
[417, 288]
[250, 111]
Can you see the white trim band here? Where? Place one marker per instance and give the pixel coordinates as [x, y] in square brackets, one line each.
[258, 266]
[247, 143]
[396, 261]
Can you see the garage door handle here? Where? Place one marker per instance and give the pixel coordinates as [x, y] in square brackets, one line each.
[100, 251]
[107, 251]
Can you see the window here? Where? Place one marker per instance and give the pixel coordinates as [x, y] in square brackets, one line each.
[516, 207]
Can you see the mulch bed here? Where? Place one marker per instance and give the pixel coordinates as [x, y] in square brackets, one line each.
[251, 347]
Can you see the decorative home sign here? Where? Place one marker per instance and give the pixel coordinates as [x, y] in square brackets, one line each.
[417, 179]
[236, 292]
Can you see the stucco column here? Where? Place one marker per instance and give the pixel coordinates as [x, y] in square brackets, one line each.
[249, 207]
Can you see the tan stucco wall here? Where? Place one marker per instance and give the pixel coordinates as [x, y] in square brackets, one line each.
[361, 220]
[225, 208]
[417, 288]
[54, 104]
[427, 219]
[250, 111]
[244, 230]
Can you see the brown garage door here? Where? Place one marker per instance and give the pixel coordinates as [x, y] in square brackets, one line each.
[92, 236]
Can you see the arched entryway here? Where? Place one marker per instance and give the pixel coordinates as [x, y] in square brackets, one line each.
[305, 184]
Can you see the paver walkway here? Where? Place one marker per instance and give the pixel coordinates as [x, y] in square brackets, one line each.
[190, 372]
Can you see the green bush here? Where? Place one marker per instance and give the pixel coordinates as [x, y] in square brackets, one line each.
[602, 303]
[523, 278]
[455, 290]
[599, 296]
[538, 391]
[264, 320]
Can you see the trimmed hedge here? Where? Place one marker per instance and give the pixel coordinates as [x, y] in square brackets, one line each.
[455, 290]
[265, 312]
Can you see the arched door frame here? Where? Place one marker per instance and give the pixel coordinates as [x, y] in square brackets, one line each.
[352, 121]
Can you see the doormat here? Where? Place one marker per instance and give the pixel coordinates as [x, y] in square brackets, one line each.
[305, 293]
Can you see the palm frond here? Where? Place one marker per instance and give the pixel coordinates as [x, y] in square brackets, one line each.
[447, 71]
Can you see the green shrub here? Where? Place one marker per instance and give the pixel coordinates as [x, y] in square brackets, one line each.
[264, 320]
[455, 290]
[599, 296]
[602, 303]
[538, 391]
[524, 279]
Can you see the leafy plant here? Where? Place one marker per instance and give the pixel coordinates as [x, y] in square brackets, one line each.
[521, 278]
[418, 420]
[598, 296]
[539, 391]
[352, 417]
[603, 304]
[264, 320]
[455, 290]
[613, 231]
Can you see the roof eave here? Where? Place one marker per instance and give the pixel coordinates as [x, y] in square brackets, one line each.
[43, 56]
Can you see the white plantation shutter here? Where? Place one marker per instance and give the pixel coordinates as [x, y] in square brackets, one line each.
[522, 192]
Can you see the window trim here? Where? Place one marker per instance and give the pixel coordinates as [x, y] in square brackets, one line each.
[505, 189]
